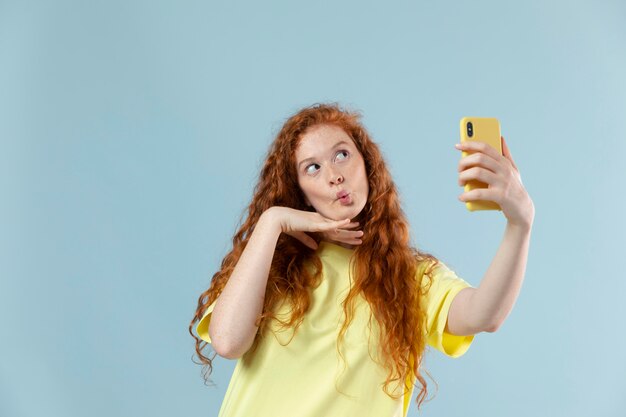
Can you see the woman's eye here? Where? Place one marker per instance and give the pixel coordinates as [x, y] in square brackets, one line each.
[308, 170]
[340, 152]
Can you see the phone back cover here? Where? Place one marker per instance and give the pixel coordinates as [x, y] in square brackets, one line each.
[487, 130]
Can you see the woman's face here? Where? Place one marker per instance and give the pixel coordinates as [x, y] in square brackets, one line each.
[328, 162]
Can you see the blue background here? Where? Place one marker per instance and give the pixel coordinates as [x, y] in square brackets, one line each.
[133, 133]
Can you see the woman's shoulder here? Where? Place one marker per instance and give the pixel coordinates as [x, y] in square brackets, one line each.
[427, 264]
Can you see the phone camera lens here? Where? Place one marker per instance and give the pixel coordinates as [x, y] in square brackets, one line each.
[470, 129]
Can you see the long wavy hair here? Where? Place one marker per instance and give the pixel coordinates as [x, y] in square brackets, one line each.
[391, 285]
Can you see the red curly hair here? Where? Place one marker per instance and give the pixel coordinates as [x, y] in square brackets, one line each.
[391, 286]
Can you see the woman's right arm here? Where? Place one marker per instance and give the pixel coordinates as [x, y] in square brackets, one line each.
[232, 327]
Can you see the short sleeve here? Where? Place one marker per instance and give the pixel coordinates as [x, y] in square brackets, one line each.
[445, 286]
[203, 325]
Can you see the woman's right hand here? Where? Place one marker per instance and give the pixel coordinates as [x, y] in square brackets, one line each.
[296, 222]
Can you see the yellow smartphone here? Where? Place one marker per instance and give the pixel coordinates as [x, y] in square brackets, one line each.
[487, 130]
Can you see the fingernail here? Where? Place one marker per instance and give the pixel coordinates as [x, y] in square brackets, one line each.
[458, 145]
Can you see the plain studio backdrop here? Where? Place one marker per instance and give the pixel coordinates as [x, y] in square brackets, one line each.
[132, 134]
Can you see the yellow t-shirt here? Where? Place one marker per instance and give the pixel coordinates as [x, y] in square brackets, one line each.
[306, 377]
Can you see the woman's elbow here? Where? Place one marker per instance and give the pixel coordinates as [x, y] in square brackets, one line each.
[225, 350]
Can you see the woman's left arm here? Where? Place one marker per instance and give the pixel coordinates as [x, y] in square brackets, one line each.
[485, 308]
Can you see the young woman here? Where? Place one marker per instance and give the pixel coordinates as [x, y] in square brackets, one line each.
[322, 299]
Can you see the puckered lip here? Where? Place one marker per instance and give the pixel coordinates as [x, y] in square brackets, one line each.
[342, 193]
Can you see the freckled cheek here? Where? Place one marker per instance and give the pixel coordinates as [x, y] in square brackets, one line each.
[314, 193]
[361, 174]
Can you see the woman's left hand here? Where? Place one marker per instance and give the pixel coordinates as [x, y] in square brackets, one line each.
[500, 173]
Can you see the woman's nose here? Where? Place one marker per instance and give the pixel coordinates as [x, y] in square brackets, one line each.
[336, 177]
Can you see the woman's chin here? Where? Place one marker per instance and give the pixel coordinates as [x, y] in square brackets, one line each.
[347, 213]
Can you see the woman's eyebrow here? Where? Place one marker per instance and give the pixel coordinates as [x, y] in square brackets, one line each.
[343, 142]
